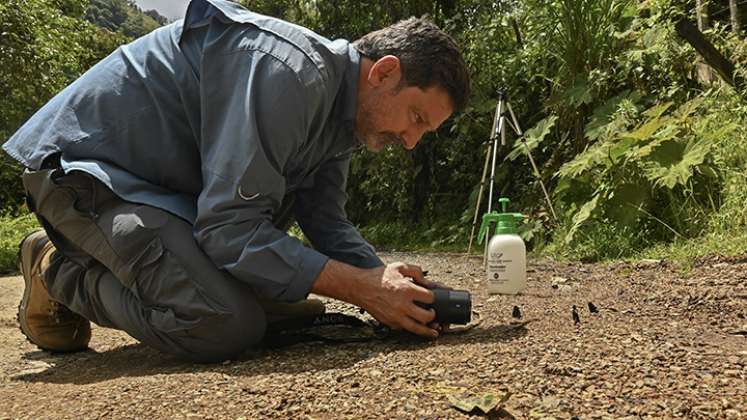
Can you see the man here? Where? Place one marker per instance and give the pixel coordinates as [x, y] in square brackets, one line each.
[167, 175]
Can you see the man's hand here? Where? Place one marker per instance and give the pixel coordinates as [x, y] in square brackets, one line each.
[390, 296]
[388, 293]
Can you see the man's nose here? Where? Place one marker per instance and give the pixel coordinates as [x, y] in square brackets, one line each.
[412, 137]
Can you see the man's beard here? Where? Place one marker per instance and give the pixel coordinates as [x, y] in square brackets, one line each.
[366, 123]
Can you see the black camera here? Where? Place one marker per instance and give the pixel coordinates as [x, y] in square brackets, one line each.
[451, 306]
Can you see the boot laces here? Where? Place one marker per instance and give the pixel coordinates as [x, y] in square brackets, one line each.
[61, 313]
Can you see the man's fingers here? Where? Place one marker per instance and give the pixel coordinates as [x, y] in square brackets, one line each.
[429, 284]
[416, 273]
[412, 271]
[419, 329]
[421, 294]
[424, 316]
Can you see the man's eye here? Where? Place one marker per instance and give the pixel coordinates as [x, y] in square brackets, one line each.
[418, 119]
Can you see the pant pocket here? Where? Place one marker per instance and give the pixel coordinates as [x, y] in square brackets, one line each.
[57, 205]
[156, 276]
[175, 302]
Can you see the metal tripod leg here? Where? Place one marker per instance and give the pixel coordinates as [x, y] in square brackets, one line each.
[479, 196]
[500, 128]
[493, 139]
[500, 120]
[518, 131]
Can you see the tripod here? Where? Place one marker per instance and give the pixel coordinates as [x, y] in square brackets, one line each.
[503, 110]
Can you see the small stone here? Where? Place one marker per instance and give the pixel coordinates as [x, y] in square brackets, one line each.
[558, 280]
[648, 262]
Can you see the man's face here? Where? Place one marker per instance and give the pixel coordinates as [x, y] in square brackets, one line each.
[394, 115]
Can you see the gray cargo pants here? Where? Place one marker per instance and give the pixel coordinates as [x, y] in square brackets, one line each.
[138, 269]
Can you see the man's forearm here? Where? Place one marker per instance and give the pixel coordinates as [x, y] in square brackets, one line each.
[341, 281]
[388, 293]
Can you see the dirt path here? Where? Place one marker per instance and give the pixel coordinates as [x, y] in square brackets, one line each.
[665, 344]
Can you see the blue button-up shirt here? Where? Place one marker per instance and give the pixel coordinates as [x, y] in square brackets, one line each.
[215, 119]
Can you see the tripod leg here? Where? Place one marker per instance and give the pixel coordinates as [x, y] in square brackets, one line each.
[479, 195]
[500, 128]
[516, 128]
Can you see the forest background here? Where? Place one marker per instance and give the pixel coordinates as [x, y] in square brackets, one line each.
[640, 143]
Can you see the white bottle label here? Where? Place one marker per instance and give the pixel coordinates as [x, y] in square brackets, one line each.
[497, 269]
[506, 267]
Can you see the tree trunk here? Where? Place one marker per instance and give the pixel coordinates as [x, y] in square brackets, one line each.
[705, 74]
[710, 54]
[701, 11]
[517, 31]
[734, 10]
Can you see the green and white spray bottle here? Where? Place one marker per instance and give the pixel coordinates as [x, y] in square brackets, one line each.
[506, 254]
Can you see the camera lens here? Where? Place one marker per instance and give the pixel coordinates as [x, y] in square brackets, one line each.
[452, 306]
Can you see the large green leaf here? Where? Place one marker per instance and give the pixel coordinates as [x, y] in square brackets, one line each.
[583, 215]
[579, 93]
[646, 130]
[620, 148]
[657, 111]
[585, 160]
[666, 133]
[603, 120]
[534, 137]
[675, 172]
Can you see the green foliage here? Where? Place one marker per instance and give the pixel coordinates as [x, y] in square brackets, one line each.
[661, 169]
[153, 14]
[635, 149]
[533, 137]
[42, 50]
[731, 161]
[399, 235]
[123, 16]
[138, 24]
[350, 19]
[624, 137]
[601, 240]
[44, 45]
[12, 230]
[685, 252]
[107, 14]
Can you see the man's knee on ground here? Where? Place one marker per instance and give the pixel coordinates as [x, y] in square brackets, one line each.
[224, 337]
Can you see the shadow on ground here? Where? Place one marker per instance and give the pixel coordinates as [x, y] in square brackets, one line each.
[138, 360]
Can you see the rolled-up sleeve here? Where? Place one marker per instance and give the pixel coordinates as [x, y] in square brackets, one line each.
[320, 211]
[255, 113]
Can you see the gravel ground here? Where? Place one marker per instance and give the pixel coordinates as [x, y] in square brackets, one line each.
[666, 343]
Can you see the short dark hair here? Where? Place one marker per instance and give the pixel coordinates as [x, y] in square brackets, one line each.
[428, 56]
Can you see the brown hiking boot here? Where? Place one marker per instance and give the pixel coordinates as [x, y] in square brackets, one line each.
[45, 322]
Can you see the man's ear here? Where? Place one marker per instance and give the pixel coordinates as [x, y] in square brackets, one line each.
[385, 70]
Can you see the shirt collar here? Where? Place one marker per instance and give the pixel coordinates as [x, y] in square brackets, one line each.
[347, 98]
[350, 85]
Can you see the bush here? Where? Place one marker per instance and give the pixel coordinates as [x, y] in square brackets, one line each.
[12, 230]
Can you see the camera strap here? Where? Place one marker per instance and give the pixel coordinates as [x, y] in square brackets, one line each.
[338, 328]
[327, 328]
